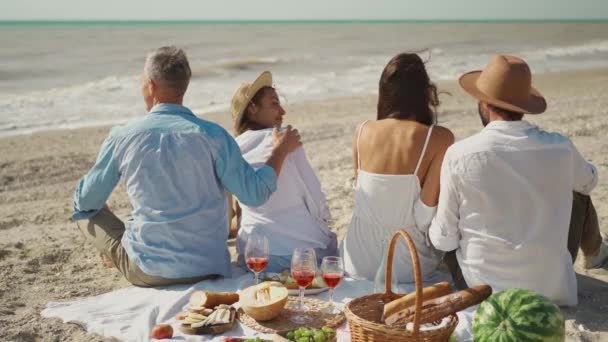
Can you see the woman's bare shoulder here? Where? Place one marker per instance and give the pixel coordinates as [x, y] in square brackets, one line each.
[361, 124]
[443, 136]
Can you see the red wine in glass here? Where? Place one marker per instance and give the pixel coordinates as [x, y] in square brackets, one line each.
[333, 271]
[303, 271]
[303, 278]
[256, 254]
[332, 279]
[257, 264]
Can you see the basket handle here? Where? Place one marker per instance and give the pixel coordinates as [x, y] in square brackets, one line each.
[417, 274]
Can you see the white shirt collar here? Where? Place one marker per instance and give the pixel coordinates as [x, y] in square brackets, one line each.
[500, 125]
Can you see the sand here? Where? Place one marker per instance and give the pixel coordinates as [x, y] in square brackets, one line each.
[43, 256]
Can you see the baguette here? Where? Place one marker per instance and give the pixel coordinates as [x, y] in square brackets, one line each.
[430, 292]
[435, 309]
[210, 299]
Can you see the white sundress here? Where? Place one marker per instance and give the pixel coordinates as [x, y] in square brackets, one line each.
[384, 204]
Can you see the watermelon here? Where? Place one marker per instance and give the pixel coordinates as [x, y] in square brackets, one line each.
[518, 315]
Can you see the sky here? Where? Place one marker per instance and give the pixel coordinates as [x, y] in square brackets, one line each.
[301, 9]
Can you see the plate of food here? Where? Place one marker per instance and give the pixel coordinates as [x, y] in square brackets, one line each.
[208, 313]
[317, 286]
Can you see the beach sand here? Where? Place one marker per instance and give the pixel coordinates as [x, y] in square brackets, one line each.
[43, 256]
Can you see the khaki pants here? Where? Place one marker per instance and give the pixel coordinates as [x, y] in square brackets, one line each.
[104, 231]
[584, 233]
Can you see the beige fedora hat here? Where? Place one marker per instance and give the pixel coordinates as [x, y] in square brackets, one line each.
[505, 83]
[243, 95]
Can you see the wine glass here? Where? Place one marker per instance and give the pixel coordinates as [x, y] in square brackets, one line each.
[333, 271]
[256, 254]
[303, 271]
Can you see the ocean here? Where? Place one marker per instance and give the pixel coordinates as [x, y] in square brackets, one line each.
[66, 75]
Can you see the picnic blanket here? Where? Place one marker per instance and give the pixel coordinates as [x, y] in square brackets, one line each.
[129, 314]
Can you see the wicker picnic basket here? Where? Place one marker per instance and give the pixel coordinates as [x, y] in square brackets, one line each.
[364, 314]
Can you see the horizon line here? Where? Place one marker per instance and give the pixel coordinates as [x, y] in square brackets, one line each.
[294, 21]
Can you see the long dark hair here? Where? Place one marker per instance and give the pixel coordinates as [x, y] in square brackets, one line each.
[406, 92]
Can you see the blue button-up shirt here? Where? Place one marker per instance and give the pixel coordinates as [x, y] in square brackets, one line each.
[177, 169]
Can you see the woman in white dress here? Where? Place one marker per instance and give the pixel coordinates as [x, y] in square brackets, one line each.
[296, 215]
[397, 161]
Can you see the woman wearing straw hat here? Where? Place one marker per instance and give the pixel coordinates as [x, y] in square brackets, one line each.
[397, 164]
[296, 215]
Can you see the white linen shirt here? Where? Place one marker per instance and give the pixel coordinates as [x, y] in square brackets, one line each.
[296, 215]
[505, 206]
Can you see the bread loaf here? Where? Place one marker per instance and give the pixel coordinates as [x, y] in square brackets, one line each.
[398, 305]
[210, 299]
[435, 309]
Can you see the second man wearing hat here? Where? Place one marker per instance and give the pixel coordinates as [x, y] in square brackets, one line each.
[507, 193]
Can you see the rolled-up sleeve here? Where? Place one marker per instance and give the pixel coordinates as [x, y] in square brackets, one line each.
[585, 173]
[444, 232]
[95, 187]
[251, 187]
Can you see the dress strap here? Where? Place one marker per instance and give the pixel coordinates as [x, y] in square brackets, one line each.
[358, 149]
[426, 142]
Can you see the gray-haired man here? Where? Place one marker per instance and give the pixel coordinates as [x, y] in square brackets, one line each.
[177, 169]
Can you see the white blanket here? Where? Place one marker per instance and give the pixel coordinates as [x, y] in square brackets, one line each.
[129, 314]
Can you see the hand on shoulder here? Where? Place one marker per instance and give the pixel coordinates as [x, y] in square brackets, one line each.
[287, 139]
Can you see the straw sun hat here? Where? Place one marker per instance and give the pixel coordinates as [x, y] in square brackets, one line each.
[243, 95]
[505, 83]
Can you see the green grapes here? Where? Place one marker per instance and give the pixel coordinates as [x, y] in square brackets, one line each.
[324, 334]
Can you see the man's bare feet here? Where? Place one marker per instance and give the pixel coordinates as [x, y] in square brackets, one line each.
[105, 261]
[601, 259]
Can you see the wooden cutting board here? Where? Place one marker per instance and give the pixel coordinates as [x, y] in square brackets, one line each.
[210, 329]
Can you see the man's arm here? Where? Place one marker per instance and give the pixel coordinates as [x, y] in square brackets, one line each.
[585, 174]
[253, 187]
[283, 142]
[444, 232]
[96, 186]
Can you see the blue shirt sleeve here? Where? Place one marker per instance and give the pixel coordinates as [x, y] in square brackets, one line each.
[251, 187]
[96, 186]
